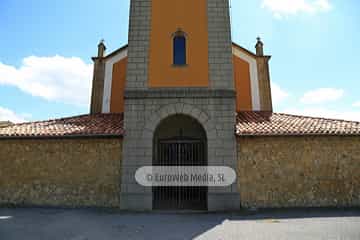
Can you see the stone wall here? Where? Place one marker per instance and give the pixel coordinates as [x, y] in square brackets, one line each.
[213, 109]
[60, 172]
[220, 45]
[139, 43]
[264, 83]
[312, 171]
[317, 171]
[220, 48]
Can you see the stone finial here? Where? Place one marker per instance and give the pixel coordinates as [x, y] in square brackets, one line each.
[101, 49]
[259, 47]
[98, 80]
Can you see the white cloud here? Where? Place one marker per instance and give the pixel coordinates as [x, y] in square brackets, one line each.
[283, 8]
[9, 115]
[325, 113]
[356, 104]
[53, 78]
[278, 94]
[322, 95]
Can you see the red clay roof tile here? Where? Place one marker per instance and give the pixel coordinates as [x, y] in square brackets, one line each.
[254, 123]
[84, 125]
[248, 124]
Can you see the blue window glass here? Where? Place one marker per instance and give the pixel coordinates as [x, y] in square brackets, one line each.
[179, 50]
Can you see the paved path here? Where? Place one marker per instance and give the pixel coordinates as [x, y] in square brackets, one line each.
[89, 224]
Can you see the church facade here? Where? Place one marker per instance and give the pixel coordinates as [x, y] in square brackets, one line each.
[181, 93]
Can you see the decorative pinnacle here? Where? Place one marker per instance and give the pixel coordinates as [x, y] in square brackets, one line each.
[101, 48]
[102, 41]
[259, 47]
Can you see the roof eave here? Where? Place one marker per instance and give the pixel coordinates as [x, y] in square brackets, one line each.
[299, 135]
[116, 51]
[85, 136]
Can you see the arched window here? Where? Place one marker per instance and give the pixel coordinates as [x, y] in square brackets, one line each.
[179, 49]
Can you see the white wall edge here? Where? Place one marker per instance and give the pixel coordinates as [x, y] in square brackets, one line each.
[254, 79]
[108, 78]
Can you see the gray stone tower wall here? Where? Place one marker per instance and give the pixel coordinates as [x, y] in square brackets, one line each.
[139, 42]
[220, 45]
[214, 107]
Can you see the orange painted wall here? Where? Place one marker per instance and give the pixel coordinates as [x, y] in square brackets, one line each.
[241, 78]
[118, 86]
[167, 17]
[242, 84]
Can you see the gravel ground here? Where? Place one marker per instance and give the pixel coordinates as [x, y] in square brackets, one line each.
[89, 224]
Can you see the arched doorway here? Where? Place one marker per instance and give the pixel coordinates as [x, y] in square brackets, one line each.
[180, 140]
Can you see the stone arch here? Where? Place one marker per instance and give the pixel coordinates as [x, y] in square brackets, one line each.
[179, 108]
[148, 130]
[179, 126]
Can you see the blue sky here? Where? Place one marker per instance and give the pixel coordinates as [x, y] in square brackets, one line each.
[45, 66]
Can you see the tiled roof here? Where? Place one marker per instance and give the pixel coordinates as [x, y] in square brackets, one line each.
[273, 124]
[5, 123]
[85, 125]
[248, 124]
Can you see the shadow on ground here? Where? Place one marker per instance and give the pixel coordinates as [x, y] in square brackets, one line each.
[88, 224]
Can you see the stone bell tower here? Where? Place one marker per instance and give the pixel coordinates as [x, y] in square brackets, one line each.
[156, 88]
